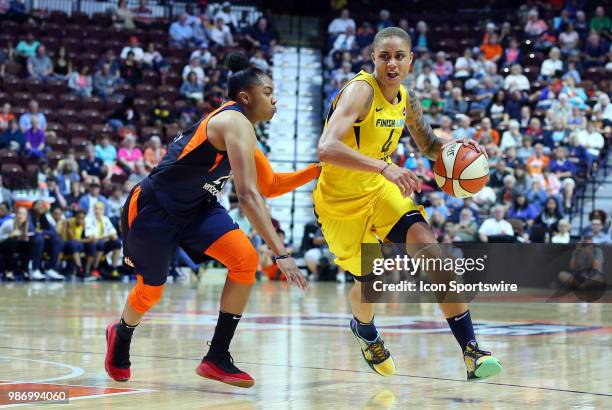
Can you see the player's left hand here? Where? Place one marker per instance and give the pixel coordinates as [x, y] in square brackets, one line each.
[469, 142]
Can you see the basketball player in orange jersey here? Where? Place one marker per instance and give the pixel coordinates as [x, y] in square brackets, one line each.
[362, 197]
[176, 205]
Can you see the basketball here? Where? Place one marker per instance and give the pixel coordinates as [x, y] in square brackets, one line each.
[461, 171]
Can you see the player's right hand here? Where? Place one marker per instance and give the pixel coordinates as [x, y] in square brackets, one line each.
[405, 179]
[292, 272]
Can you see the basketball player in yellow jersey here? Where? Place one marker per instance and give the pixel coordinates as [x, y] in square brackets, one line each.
[362, 197]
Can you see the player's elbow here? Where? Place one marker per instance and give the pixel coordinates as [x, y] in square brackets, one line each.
[325, 151]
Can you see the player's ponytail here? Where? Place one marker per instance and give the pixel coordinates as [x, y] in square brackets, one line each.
[243, 75]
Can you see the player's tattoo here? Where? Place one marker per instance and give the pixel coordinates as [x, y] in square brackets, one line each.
[428, 143]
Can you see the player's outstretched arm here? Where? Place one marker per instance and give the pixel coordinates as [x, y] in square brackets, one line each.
[272, 184]
[240, 144]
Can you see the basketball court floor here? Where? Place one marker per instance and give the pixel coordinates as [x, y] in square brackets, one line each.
[300, 351]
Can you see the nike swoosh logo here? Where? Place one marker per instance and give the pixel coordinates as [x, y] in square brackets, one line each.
[378, 109]
[461, 317]
[235, 318]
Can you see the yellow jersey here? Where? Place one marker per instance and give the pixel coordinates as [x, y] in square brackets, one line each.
[343, 192]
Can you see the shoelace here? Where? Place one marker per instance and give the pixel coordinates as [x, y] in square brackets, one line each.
[478, 352]
[378, 350]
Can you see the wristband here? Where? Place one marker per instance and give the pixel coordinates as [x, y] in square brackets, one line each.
[285, 256]
[386, 166]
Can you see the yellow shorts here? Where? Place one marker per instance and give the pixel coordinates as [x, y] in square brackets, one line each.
[344, 236]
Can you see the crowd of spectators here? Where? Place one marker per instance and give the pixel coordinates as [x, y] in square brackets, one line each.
[87, 113]
[532, 88]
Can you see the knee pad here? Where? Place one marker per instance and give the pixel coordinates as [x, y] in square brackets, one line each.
[235, 251]
[143, 297]
[243, 266]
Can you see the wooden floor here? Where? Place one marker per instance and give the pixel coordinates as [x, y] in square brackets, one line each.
[300, 351]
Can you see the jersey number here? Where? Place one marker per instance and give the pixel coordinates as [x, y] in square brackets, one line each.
[387, 143]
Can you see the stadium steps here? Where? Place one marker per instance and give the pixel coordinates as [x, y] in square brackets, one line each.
[294, 131]
[300, 31]
[597, 195]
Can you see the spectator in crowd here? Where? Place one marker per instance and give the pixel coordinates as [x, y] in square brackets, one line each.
[259, 61]
[195, 67]
[496, 226]
[201, 31]
[486, 134]
[153, 153]
[597, 231]
[135, 48]
[35, 140]
[600, 23]
[498, 173]
[45, 240]
[522, 209]
[569, 40]
[15, 238]
[516, 79]
[25, 121]
[103, 239]
[115, 204]
[443, 68]
[129, 154]
[552, 64]
[191, 88]
[221, 35]
[344, 42]
[467, 227]
[181, 33]
[496, 110]
[550, 216]
[602, 111]
[125, 115]
[6, 197]
[104, 83]
[384, 19]
[143, 15]
[562, 233]
[492, 50]
[538, 160]
[39, 65]
[152, 58]
[12, 138]
[465, 65]
[590, 139]
[106, 151]
[6, 116]
[93, 196]
[91, 165]
[63, 64]
[464, 130]
[565, 170]
[595, 51]
[262, 36]
[339, 24]
[53, 191]
[203, 54]
[111, 59]
[429, 75]
[512, 54]
[27, 48]
[123, 18]
[138, 174]
[456, 104]
[421, 41]
[229, 19]
[80, 82]
[535, 25]
[511, 137]
[130, 70]
[161, 113]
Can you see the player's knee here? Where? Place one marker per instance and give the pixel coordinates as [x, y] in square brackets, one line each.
[144, 297]
[242, 269]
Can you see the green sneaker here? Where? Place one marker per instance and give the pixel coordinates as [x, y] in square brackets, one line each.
[480, 364]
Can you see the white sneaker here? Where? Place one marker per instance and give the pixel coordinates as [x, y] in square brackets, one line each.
[36, 275]
[54, 275]
[340, 277]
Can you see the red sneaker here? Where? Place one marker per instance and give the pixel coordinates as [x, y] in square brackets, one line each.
[117, 368]
[224, 370]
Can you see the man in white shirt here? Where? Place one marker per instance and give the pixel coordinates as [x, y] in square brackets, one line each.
[133, 47]
[103, 235]
[221, 35]
[551, 64]
[496, 226]
[516, 79]
[339, 24]
[195, 66]
[226, 14]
